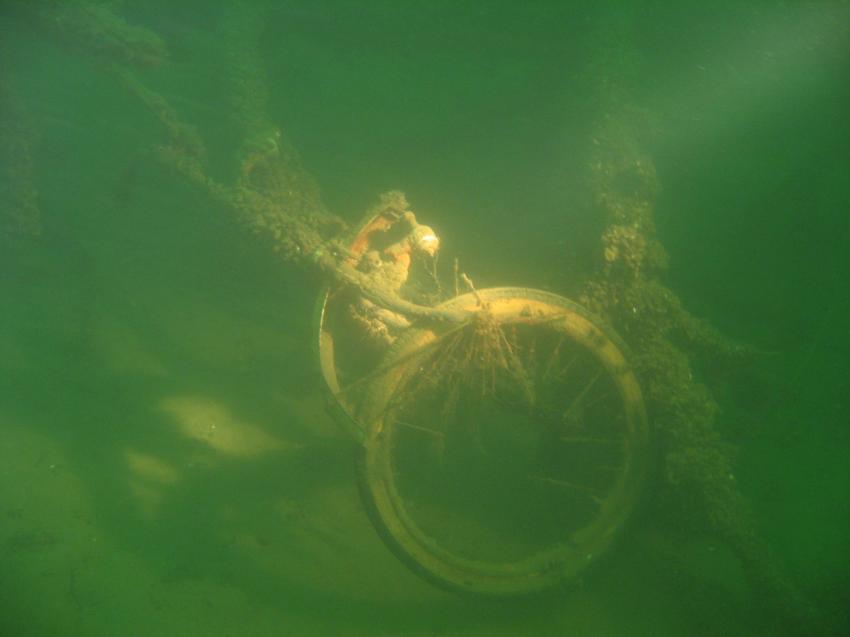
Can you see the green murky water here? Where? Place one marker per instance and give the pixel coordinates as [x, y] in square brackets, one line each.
[167, 462]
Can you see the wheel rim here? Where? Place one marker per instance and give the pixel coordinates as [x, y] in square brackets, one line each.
[541, 486]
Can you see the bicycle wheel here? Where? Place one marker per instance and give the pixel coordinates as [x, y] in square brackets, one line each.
[504, 455]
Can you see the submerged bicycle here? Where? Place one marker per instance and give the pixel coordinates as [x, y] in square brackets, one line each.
[502, 433]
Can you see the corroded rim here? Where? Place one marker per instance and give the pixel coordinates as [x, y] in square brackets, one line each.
[563, 561]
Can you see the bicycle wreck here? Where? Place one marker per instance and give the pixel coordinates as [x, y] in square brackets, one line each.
[506, 436]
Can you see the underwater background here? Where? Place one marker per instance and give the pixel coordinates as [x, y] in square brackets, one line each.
[168, 464]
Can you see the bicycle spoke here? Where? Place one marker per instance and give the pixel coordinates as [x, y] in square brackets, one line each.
[420, 428]
[568, 413]
[590, 492]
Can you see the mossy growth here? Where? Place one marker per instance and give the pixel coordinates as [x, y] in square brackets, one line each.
[697, 488]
